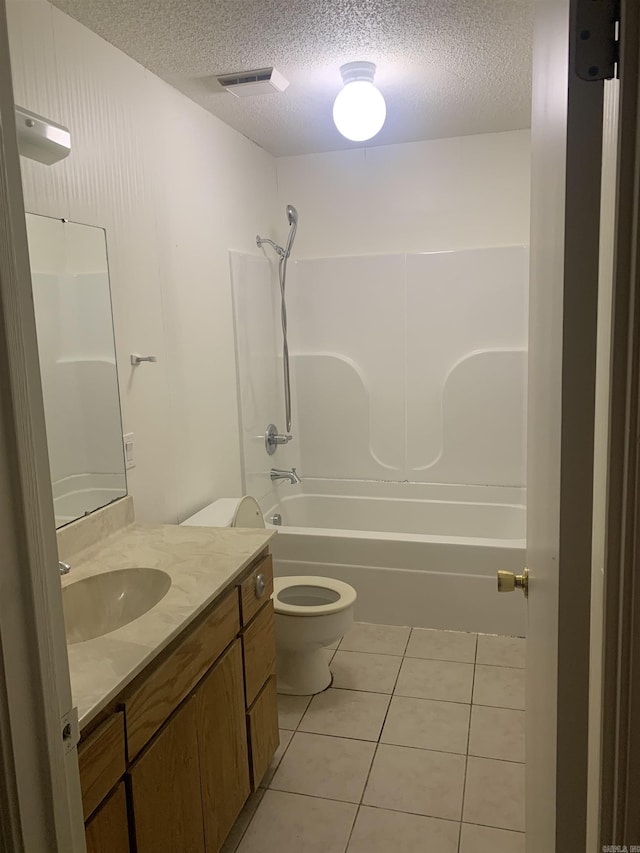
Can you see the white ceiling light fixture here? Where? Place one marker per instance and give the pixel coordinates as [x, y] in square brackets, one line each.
[359, 110]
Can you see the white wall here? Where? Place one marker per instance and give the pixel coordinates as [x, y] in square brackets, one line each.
[175, 189]
[462, 193]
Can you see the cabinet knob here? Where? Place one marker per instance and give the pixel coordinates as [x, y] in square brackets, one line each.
[261, 585]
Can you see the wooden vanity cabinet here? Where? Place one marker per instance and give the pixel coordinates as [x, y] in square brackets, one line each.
[193, 734]
[165, 788]
[108, 830]
[222, 742]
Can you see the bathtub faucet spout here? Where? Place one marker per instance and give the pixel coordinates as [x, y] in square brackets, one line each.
[291, 476]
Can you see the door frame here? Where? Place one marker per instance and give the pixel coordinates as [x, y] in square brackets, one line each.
[620, 770]
[40, 801]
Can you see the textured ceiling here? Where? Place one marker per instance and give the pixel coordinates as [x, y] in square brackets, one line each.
[445, 67]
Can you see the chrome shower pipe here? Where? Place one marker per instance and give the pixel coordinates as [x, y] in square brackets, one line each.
[292, 218]
[260, 240]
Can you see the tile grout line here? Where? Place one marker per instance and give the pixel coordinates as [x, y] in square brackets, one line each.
[466, 758]
[375, 751]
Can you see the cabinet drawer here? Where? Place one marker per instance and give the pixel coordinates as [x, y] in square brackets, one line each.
[151, 703]
[256, 588]
[264, 736]
[259, 649]
[101, 761]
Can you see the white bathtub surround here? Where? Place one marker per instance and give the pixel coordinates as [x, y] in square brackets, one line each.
[411, 774]
[412, 367]
[417, 554]
[405, 367]
[258, 338]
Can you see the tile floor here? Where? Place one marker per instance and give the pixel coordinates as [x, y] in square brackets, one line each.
[418, 747]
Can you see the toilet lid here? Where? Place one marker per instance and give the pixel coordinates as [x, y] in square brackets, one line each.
[310, 595]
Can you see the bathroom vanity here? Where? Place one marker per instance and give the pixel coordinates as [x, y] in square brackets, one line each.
[178, 710]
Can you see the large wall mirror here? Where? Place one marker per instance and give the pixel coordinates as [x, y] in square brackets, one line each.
[78, 365]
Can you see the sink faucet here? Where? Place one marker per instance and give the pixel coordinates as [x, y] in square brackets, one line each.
[65, 568]
[291, 476]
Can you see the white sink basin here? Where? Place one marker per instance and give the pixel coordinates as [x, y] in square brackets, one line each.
[102, 603]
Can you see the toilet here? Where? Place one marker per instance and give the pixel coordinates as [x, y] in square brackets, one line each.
[310, 612]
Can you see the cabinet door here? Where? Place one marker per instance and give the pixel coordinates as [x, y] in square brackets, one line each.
[264, 735]
[108, 829]
[222, 735]
[165, 788]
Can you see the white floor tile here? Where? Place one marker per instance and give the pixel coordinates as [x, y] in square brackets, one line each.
[501, 651]
[485, 839]
[494, 794]
[291, 823]
[435, 679]
[442, 645]
[362, 671]
[377, 639]
[285, 739]
[383, 831]
[291, 710]
[322, 766]
[417, 781]
[346, 713]
[499, 686]
[427, 724]
[497, 733]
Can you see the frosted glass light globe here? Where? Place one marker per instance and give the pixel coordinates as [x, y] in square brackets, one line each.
[359, 110]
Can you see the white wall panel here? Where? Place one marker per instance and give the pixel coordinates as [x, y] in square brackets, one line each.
[466, 322]
[460, 193]
[411, 367]
[175, 189]
[347, 321]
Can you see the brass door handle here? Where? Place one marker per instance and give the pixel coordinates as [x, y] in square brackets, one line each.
[508, 581]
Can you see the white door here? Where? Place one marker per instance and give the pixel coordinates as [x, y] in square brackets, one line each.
[566, 176]
[40, 805]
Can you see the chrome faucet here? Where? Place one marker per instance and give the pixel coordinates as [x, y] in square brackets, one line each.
[291, 476]
[65, 568]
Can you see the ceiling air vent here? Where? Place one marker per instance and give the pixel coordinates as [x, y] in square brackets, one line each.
[264, 81]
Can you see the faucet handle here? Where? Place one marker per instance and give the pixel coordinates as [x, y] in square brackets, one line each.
[272, 438]
[64, 568]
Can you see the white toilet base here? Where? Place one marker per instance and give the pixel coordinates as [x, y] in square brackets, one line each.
[302, 673]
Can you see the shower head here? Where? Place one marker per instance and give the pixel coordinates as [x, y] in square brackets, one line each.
[292, 216]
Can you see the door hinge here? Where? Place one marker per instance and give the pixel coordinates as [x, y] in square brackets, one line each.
[596, 44]
[70, 730]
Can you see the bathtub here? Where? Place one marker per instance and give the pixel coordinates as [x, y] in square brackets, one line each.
[418, 554]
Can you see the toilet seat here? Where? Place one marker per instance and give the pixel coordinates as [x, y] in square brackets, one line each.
[330, 595]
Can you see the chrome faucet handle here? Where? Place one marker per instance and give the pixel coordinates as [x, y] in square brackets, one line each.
[272, 439]
[64, 568]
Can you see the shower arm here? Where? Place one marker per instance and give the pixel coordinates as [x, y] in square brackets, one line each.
[279, 249]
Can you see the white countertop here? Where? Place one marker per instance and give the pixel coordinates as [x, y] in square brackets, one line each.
[202, 561]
